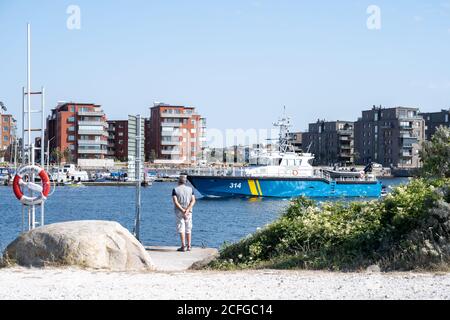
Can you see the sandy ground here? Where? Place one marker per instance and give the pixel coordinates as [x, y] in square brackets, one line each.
[19, 283]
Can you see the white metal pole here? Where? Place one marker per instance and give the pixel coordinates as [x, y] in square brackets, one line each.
[138, 176]
[23, 126]
[48, 153]
[32, 178]
[42, 128]
[29, 91]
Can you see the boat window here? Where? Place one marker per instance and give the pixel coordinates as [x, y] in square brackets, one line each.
[280, 160]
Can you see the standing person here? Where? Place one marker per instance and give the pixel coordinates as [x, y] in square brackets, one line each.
[184, 201]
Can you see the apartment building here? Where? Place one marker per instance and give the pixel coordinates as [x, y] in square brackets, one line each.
[176, 134]
[331, 142]
[434, 120]
[7, 127]
[296, 140]
[390, 136]
[118, 140]
[80, 128]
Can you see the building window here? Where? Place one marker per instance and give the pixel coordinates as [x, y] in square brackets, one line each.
[71, 129]
[71, 138]
[6, 128]
[71, 119]
[120, 134]
[6, 138]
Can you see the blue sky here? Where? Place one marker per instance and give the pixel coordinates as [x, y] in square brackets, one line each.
[238, 62]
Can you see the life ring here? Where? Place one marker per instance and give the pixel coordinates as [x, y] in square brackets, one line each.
[43, 191]
[362, 175]
[295, 173]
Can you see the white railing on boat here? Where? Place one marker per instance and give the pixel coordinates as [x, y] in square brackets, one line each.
[243, 172]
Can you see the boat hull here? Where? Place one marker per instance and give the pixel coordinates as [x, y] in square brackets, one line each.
[284, 187]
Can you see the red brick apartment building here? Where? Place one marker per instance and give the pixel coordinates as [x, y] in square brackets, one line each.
[176, 134]
[118, 140]
[6, 134]
[80, 128]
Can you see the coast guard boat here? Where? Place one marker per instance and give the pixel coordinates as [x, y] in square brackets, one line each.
[284, 174]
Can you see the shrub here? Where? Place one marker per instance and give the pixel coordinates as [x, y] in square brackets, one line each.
[350, 236]
[435, 155]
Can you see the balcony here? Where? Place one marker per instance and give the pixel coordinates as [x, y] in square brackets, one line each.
[406, 155]
[171, 152]
[91, 114]
[176, 115]
[170, 124]
[93, 123]
[92, 143]
[92, 133]
[346, 132]
[83, 151]
[175, 133]
[345, 155]
[173, 142]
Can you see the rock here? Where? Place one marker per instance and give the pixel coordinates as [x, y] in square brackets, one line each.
[89, 244]
[373, 269]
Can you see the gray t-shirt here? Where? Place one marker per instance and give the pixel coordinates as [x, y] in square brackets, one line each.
[184, 196]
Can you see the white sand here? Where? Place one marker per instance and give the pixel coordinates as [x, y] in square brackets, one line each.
[19, 283]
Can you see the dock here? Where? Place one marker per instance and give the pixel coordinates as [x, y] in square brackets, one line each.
[168, 259]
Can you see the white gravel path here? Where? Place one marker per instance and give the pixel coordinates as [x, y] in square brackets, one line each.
[19, 283]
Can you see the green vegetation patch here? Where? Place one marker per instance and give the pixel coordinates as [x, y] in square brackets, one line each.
[408, 229]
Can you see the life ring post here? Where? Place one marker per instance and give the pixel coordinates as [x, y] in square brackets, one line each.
[18, 183]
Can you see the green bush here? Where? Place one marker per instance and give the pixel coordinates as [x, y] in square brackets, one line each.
[351, 236]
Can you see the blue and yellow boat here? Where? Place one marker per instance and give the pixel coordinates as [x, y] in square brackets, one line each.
[284, 174]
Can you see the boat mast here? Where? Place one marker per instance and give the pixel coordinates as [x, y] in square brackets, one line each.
[284, 123]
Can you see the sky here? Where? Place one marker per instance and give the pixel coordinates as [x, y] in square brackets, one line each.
[238, 62]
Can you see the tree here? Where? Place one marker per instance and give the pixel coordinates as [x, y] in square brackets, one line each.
[67, 154]
[152, 156]
[435, 155]
[57, 155]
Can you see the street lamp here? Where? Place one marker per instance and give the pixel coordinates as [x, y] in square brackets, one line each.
[48, 153]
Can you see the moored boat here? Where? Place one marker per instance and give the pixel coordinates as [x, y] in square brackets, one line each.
[284, 174]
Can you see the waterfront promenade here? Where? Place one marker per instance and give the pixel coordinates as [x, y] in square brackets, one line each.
[192, 285]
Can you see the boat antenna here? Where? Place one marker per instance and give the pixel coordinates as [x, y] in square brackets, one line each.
[309, 147]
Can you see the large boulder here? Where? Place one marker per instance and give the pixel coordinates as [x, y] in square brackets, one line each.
[89, 244]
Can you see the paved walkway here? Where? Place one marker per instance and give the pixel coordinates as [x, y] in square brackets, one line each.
[168, 259]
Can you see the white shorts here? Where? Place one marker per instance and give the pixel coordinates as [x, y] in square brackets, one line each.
[184, 225]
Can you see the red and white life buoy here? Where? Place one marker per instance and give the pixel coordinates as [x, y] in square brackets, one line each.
[362, 174]
[41, 191]
[295, 173]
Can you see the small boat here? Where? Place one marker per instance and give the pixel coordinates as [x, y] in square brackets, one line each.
[74, 184]
[68, 174]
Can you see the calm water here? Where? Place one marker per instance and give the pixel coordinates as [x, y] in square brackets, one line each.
[215, 220]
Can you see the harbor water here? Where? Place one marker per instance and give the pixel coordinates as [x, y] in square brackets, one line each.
[216, 220]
